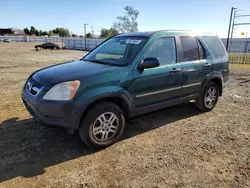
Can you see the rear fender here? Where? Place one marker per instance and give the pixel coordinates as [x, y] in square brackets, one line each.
[213, 76]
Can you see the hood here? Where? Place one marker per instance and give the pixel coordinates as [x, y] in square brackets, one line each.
[69, 71]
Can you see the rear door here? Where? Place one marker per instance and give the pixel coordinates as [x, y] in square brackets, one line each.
[218, 54]
[194, 65]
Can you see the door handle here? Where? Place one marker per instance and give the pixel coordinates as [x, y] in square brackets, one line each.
[174, 70]
[207, 65]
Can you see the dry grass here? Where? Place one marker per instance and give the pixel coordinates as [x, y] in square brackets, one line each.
[239, 58]
[176, 147]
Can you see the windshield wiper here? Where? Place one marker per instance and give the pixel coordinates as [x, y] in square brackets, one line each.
[103, 62]
[97, 61]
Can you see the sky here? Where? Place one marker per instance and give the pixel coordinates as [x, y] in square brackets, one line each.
[204, 15]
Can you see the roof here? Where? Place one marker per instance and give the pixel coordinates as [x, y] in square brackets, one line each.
[137, 34]
[15, 29]
[167, 32]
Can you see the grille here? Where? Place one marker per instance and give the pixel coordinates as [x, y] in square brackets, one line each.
[35, 83]
[33, 87]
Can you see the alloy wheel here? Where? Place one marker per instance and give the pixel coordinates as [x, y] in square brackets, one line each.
[210, 97]
[105, 127]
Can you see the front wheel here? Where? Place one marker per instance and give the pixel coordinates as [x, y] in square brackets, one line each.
[102, 126]
[209, 97]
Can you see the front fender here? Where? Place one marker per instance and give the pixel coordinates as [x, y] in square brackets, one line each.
[94, 95]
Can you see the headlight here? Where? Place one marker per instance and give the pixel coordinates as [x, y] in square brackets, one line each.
[63, 91]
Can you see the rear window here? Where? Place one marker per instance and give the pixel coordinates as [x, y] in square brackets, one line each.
[215, 45]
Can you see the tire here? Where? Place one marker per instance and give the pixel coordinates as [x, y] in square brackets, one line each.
[108, 121]
[208, 98]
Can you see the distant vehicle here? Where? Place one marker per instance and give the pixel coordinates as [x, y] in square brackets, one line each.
[6, 40]
[126, 76]
[47, 45]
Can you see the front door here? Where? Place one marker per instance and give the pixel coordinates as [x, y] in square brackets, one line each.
[159, 84]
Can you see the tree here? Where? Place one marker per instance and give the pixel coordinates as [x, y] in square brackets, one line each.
[89, 35]
[113, 32]
[61, 31]
[40, 32]
[26, 31]
[106, 33]
[51, 33]
[33, 30]
[44, 33]
[74, 35]
[37, 33]
[127, 23]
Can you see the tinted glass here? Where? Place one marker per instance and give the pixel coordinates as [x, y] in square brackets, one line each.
[202, 51]
[164, 49]
[190, 48]
[215, 45]
[117, 51]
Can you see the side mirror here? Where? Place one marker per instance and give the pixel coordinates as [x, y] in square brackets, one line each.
[149, 62]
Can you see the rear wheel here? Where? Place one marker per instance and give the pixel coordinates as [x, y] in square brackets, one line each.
[102, 126]
[209, 97]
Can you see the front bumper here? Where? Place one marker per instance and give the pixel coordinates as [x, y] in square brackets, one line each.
[57, 113]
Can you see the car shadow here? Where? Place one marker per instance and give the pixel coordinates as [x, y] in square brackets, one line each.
[27, 148]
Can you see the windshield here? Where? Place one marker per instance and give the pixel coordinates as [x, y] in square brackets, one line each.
[118, 51]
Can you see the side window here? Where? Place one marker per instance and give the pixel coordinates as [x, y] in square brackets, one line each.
[190, 48]
[164, 49]
[215, 45]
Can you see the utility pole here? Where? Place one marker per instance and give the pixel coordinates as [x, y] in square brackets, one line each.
[85, 36]
[232, 30]
[235, 16]
[233, 24]
[229, 28]
[92, 31]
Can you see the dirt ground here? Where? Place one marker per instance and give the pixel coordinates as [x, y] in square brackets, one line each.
[177, 147]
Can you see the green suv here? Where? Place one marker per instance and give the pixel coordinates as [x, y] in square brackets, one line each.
[125, 76]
